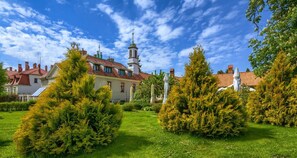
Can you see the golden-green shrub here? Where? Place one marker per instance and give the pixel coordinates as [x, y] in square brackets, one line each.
[195, 106]
[274, 101]
[70, 116]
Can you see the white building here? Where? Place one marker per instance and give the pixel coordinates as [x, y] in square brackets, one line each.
[24, 82]
[108, 72]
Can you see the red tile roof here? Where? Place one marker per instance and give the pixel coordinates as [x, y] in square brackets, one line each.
[114, 65]
[247, 78]
[22, 78]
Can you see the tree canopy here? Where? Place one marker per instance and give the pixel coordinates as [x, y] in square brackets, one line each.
[195, 106]
[70, 116]
[143, 91]
[3, 78]
[279, 34]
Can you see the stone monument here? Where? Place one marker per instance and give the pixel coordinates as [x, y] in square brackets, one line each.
[166, 87]
[152, 94]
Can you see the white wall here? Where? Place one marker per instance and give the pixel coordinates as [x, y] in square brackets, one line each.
[30, 89]
[117, 95]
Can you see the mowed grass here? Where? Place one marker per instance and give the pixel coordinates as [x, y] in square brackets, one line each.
[141, 136]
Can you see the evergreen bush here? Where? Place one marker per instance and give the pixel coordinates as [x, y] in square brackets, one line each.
[70, 116]
[195, 106]
[156, 107]
[274, 100]
[9, 97]
[128, 107]
[16, 106]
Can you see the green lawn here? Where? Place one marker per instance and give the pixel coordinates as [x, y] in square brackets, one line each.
[141, 136]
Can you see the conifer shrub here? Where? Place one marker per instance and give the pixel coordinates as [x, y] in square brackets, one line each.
[274, 101]
[195, 106]
[128, 107]
[70, 116]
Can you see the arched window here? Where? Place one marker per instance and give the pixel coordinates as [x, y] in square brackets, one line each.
[135, 53]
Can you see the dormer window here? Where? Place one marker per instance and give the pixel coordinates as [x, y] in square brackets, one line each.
[129, 73]
[122, 72]
[107, 69]
[96, 67]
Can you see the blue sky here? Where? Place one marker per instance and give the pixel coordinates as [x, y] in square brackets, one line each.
[165, 31]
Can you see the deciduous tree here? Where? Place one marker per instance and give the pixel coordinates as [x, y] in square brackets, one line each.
[279, 34]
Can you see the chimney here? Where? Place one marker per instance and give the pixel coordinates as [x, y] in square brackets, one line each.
[52, 67]
[111, 59]
[34, 65]
[39, 70]
[45, 68]
[172, 72]
[20, 69]
[10, 68]
[83, 52]
[27, 67]
[230, 69]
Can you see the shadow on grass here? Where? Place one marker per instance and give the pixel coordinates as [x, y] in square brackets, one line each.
[5, 142]
[123, 145]
[255, 133]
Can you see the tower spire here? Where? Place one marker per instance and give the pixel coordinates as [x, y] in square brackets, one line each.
[133, 36]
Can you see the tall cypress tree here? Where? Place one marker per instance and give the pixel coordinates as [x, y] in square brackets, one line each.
[195, 105]
[275, 97]
[70, 116]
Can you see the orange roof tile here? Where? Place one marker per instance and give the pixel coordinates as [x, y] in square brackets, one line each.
[247, 78]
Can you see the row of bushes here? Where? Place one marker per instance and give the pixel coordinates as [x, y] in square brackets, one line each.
[8, 97]
[16, 106]
[141, 105]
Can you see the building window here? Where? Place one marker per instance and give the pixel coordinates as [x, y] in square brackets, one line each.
[35, 80]
[130, 54]
[96, 67]
[122, 87]
[134, 87]
[107, 69]
[14, 90]
[135, 53]
[109, 84]
[129, 73]
[122, 72]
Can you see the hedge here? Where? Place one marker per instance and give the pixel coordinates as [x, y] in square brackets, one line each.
[16, 106]
[9, 97]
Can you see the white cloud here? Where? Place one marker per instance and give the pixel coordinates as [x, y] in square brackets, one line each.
[29, 38]
[105, 8]
[210, 11]
[61, 1]
[188, 4]
[185, 52]
[231, 15]
[166, 33]
[209, 31]
[154, 55]
[144, 4]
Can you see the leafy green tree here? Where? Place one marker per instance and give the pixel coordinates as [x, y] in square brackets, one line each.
[3, 78]
[274, 100]
[70, 116]
[247, 70]
[220, 72]
[195, 105]
[143, 91]
[280, 33]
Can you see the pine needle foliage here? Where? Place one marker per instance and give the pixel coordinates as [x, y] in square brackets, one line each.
[70, 116]
[274, 101]
[195, 106]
